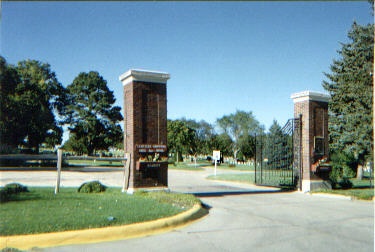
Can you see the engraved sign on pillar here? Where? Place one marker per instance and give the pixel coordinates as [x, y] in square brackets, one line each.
[145, 124]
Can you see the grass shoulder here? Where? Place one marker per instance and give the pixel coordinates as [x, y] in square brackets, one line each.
[187, 166]
[247, 178]
[41, 211]
[361, 194]
[201, 165]
[361, 189]
[236, 167]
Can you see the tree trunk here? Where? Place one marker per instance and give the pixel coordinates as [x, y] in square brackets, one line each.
[37, 149]
[235, 151]
[360, 172]
[90, 151]
[177, 160]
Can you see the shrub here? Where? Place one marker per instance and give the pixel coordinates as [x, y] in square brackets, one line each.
[345, 183]
[172, 161]
[335, 175]
[343, 167]
[15, 188]
[4, 196]
[92, 187]
[10, 190]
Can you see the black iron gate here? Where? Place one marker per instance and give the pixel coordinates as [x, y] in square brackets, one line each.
[278, 156]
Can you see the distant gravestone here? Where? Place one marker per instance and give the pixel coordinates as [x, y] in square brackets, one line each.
[145, 128]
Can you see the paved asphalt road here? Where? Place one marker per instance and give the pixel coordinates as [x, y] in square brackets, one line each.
[241, 217]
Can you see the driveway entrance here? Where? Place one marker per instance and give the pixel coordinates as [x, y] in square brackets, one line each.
[249, 218]
[242, 218]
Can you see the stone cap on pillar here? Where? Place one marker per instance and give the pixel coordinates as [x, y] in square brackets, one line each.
[310, 96]
[144, 75]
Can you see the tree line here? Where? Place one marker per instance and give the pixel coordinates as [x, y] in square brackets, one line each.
[234, 136]
[35, 107]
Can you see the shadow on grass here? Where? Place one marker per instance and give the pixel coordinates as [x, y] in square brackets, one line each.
[24, 196]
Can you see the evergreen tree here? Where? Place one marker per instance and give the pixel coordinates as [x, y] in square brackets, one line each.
[350, 85]
[274, 145]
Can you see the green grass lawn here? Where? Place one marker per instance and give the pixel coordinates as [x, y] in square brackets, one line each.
[237, 167]
[364, 183]
[41, 211]
[247, 178]
[187, 166]
[361, 188]
[206, 164]
[94, 163]
[363, 194]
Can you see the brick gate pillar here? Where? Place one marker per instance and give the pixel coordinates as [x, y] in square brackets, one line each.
[313, 106]
[145, 128]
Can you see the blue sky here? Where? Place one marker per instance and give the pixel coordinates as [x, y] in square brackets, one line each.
[222, 56]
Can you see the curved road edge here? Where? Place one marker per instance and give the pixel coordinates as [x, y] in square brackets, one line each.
[96, 235]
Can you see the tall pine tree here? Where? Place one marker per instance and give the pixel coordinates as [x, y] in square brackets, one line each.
[350, 85]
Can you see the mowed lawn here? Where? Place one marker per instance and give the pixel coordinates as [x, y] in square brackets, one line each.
[41, 211]
[362, 189]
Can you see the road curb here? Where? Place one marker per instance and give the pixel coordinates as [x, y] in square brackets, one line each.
[96, 235]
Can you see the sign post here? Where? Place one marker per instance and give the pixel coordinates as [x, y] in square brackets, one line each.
[125, 184]
[216, 157]
[59, 164]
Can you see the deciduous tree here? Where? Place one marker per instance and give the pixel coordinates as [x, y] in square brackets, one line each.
[11, 126]
[93, 119]
[181, 138]
[31, 98]
[41, 97]
[224, 143]
[204, 132]
[239, 126]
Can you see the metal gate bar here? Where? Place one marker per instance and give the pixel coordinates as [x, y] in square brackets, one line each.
[277, 158]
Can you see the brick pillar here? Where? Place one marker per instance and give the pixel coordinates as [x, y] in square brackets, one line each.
[145, 127]
[313, 106]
